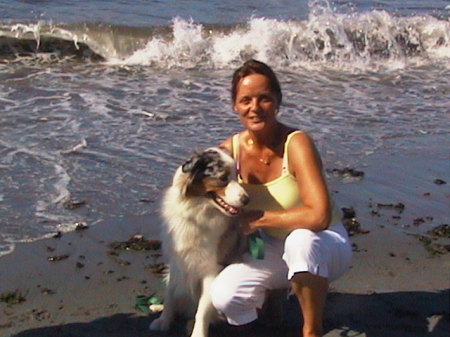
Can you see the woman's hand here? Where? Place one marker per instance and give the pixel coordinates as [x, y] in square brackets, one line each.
[250, 220]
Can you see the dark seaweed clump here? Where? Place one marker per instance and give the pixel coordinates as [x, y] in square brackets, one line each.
[429, 241]
[399, 207]
[442, 231]
[12, 297]
[351, 224]
[347, 172]
[137, 243]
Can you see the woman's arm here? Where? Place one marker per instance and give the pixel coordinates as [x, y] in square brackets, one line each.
[315, 212]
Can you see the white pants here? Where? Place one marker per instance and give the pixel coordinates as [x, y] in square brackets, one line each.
[240, 289]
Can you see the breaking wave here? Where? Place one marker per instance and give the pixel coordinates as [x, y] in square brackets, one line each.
[373, 40]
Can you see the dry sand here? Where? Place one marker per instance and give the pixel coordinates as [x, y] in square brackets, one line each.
[396, 287]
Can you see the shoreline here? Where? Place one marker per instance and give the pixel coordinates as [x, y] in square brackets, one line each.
[396, 287]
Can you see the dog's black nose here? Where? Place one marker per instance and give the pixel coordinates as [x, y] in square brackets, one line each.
[245, 199]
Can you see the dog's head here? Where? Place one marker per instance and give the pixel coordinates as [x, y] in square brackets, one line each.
[211, 174]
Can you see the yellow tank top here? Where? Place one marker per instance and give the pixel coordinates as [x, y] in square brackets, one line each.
[279, 194]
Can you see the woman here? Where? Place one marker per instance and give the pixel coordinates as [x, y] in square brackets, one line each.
[305, 242]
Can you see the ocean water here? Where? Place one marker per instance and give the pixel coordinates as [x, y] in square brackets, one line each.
[101, 100]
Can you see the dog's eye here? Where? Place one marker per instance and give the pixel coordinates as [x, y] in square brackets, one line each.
[210, 171]
[222, 180]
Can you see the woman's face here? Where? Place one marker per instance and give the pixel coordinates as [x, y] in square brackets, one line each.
[255, 103]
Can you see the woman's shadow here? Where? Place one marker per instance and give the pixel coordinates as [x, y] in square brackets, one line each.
[395, 314]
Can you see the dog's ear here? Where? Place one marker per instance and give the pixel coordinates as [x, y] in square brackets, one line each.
[191, 168]
[190, 164]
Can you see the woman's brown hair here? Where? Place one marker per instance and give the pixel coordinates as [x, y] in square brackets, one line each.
[255, 67]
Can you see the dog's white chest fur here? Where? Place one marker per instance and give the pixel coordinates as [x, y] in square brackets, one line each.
[193, 233]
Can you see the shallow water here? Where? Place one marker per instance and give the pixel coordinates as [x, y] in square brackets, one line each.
[101, 101]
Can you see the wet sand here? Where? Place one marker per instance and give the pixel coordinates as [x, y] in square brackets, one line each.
[396, 287]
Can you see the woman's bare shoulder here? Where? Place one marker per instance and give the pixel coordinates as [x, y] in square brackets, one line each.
[227, 144]
[301, 138]
[302, 148]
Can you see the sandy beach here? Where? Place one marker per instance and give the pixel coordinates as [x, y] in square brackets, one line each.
[77, 285]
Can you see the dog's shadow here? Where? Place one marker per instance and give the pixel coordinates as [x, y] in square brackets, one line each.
[400, 314]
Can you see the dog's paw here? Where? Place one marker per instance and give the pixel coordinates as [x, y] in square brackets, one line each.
[159, 324]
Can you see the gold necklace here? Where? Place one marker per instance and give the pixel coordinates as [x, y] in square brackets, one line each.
[265, 161]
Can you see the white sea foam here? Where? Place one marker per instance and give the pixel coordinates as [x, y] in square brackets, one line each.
[186, 47]
[369, 40]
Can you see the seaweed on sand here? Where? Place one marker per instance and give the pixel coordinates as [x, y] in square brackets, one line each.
[430, 241]
[12, 297]
[351, 224]
[137, 243]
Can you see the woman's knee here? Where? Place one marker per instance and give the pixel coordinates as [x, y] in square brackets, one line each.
[230, 295]
[304, 251]
[302, 241]
[222, 294]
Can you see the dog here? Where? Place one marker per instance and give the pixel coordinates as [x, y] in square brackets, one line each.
[201, 211]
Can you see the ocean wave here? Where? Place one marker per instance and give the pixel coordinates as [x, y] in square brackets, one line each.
[367, 41]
